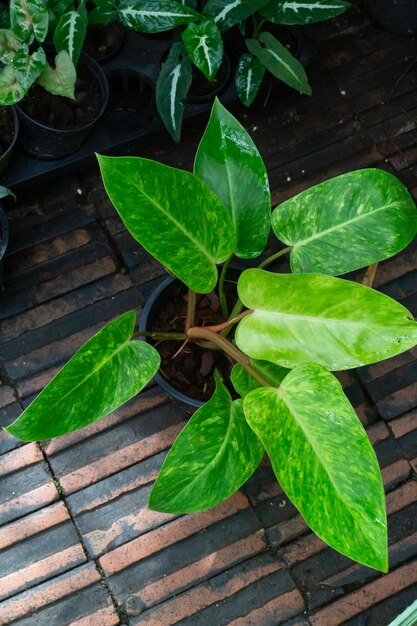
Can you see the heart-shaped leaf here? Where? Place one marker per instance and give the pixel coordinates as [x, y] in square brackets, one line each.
[279, 61]
[299, 318]
[70, 33]
[104, 374]
[226, 13]
[11, 91]
[205, 47]
[211, 458]
[249, 75]
[229, 162]
[154, 16]
[29, 19]
[60, 80]
[173, 84]
[346, 223]
[28, 67]
[243, 382]
[324, 461]
[9, 44]
[174, 215]
[303, 11]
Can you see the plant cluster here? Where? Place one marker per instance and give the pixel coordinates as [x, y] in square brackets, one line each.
[290, 332]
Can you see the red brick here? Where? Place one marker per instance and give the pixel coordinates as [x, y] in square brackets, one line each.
[284, 607]
[405, 424]
[22, 457]
[31, 524]
[29, 501]
[103, 617]
[401, 497]
[396, 473]
[302, 549]
[286, 531]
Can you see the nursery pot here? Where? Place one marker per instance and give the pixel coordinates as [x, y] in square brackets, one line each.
[396, 16]
[202, 90]
[48, 143]
[98, 35]
[5, 157]
[4, 239]
[158, 299]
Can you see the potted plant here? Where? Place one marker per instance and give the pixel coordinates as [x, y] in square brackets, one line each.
[397, 16]
[4, 229]
[58, 100]
[198, 49]
[282, 339]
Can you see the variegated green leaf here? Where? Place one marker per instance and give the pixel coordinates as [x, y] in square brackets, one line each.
[70, 33]
[249, 75]
[279, 61]
[324, 461]
[229, 162]
[211, 458]
[60, 80]
[243, 382]
[205, 47]
[11, 91]
[300, 318]
[154, 16]
[172, 214]
[226, 13]
[9, 44]
[29, 19]
[303, 11]
[347, 222]
[173, 84]
[104, 374]
[28, 67]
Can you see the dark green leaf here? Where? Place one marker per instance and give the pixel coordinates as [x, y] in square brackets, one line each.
[229, 162]
[205, 47]
[4, 17]
[173, 84]
[154, 16]
[226, 13]
[29, 19]
[9, 44]
[279, 61]
[70, 33]
[347, 222]
[104, 374]
[303, 11]
[28, 67]
[243, 382]
[311, 317]
[211, 458]
[172, 214]
[324, 461]
[249, 75]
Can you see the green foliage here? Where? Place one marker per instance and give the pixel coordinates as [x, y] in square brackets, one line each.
[295, 329]
[204, 45]
[60, 80]
[304, 12]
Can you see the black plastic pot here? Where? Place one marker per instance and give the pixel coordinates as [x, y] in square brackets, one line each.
[207, 91]
[4, 239]
[5, 158]
[49, 143]
[105, 56]
[396, 16]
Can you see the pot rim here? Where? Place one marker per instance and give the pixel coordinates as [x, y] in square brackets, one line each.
[15, 119]
[101, 79]
[4, 224]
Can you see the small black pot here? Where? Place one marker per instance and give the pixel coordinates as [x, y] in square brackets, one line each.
[5, 158]
[4, 239]
[210, 90]
[49, 143]
[396, 16]
[105, 57]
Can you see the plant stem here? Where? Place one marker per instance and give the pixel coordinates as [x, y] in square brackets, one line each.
[222, 297]
[272, 258]
[191, 303]
[199, 332]
[218, 327]
[368, 279]
[159, 336]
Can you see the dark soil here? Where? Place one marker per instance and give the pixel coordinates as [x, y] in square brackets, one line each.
[191, 371]
[202, 90]
[63, 113]
[6, 129]
[103, 41]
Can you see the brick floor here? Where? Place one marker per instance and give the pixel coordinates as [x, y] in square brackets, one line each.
[77, 543]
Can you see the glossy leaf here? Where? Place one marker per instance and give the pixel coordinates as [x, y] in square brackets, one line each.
[28, 67]
[249, 75]
[29, 19]
[154, 16]
[347, 222]
[226, 13]
[324, 461]
[279, 61]
[229, 162]
[205, 47]
[243, 382]
[70, 33]
[104, 374]
[303, 11]
[172, 214]
[211, 458]
[173, 84]
[10, 89]
[9, 44]
[300, 318]
[60, 80]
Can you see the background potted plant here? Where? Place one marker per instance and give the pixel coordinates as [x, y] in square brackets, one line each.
[4, 229]
[58, 101]
[290, 332]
